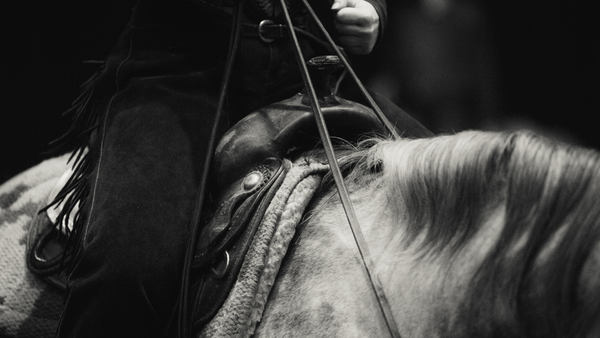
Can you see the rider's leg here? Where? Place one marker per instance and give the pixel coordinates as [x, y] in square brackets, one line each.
[155, 101]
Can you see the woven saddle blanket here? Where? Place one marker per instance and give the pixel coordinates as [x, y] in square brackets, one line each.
[29, 307]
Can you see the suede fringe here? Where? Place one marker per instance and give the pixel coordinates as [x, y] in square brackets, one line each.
[76, 191]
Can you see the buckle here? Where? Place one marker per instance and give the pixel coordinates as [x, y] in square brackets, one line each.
[261, 30]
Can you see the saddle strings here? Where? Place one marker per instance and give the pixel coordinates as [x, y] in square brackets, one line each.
[335, 170]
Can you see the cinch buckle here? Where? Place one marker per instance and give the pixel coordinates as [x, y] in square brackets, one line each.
[261, 30]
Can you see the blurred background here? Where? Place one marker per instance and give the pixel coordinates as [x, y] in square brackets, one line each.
[453, 64]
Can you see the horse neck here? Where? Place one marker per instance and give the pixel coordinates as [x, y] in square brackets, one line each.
[322, 288]
[323, 283]
[427, 288]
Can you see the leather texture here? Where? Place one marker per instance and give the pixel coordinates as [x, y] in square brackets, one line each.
[285, 127]
[225, 240]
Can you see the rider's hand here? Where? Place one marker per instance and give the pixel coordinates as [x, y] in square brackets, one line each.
[357, 23]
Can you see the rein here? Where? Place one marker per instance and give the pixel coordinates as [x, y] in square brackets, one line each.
[335, 170]
[184, 327]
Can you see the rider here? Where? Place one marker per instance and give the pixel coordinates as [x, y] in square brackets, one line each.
[144, 119]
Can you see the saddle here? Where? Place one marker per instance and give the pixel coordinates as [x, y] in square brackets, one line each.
[247, 168]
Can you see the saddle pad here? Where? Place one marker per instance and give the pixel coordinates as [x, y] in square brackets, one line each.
[29, 307]
[244, 306]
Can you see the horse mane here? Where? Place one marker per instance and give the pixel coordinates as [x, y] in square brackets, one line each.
[541, 277]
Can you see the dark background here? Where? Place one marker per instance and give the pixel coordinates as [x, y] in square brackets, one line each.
[507, 64]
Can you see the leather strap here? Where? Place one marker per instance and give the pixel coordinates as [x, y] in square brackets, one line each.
[239, 203]
[224, 244]
[266, 30]
[184, 329]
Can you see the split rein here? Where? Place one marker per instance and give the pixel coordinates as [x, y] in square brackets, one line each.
[335, 169]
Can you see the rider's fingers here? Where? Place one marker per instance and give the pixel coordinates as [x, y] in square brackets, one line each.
[355, 16]
[355, 29]
[357, 25]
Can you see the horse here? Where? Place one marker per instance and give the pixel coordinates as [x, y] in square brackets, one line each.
[475, 234]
